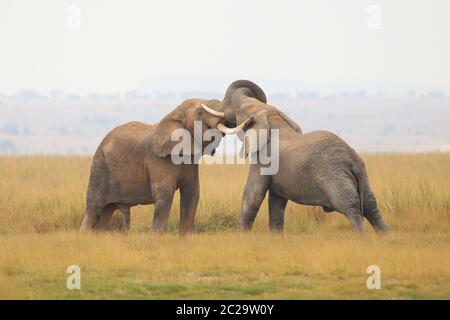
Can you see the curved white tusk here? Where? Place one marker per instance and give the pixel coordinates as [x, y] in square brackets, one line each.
[213, 112]
[222, 128]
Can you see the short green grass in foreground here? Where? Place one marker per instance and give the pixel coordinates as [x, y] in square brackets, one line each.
[225, 265]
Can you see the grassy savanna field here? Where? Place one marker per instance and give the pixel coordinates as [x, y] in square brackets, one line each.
[318, 256]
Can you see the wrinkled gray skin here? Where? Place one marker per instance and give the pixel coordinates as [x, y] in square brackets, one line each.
[316, 168]
[132, 166]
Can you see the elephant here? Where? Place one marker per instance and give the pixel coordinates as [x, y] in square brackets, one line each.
[317, 168]
[133, 165]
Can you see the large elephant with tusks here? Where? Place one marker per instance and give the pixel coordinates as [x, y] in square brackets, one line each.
[317, 168]
[133, 165]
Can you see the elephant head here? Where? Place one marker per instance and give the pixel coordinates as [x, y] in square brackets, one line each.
[195, 120]
[258, 117]
[239, 92]
[242, 93]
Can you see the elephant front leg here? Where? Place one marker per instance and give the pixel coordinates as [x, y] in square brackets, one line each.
[90, 218]
[106, 214]
[277, 206]
[163, 203]
[254, 194]
[126, 220]
[126, 217]
[188, 206]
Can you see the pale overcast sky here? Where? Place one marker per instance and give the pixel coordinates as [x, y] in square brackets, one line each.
[121, 43]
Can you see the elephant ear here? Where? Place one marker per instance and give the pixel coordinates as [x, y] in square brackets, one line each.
[161, 141]
[257, 134]
[290, 122]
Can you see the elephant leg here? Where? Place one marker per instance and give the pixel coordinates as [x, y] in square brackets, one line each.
[277, 206]
[254, 194]
[163, 202]
[188, 206]
[126, 218]
[345, 199]
[90, 218]
[355, 217]
[105, 216]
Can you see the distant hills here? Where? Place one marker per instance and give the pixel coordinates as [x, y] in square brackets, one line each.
[63, 123]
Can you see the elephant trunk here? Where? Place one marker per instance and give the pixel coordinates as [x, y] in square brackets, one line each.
[236, 93]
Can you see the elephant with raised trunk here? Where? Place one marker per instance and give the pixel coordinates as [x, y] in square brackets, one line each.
[316, 168]
[133, 165]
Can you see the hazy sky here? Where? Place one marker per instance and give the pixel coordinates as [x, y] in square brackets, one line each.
[119, 44]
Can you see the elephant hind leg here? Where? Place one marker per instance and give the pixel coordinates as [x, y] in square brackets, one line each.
[354, 215]
[344, 198]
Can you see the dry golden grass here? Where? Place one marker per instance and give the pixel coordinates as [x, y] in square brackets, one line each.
[42, 205]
